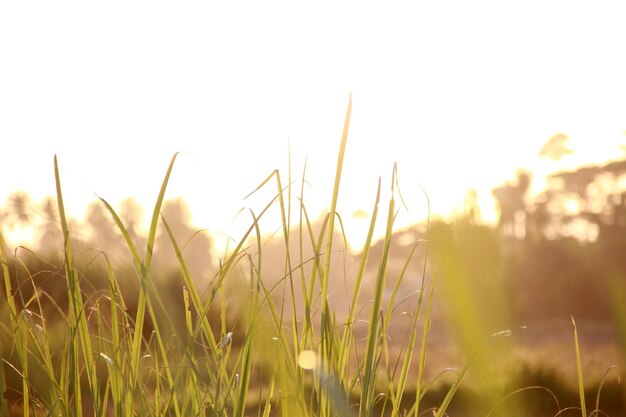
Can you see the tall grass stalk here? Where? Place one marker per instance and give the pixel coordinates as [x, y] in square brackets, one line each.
[77, 316]
[374, 335]
[579, 372]
[14, 330]
[326, 323]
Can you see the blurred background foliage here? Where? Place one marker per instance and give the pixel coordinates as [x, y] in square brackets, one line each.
[548, 257]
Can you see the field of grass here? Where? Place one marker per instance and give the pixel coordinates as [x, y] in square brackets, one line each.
[280, 347]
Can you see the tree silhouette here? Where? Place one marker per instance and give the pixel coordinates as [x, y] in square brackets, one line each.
[556, 147]
[131, 214]
[592, 195]
[18, 211]
[511, 201]
[50, 237]
[102, 233]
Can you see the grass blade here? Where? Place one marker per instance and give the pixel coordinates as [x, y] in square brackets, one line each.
[78, 320]
[371, 351]
[325, 329]
[579, 371]
[155, 214]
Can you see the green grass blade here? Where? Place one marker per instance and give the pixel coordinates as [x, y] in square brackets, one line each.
[398, 392]
[325, 330]
[285, 216]
[7, 285]
[117, 382]
[77, 316]
[246, 370]
[135, 357]
[15, 330]
[156, 212]
[579, 371]
[371, 352]
[146, 289]
[191, 287]
[422, 355]
[344, 351]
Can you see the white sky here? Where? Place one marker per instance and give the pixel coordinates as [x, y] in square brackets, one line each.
[461, 94]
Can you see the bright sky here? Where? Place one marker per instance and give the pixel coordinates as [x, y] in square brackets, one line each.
[460, 94]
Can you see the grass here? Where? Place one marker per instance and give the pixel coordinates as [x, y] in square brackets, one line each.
[99, 357]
